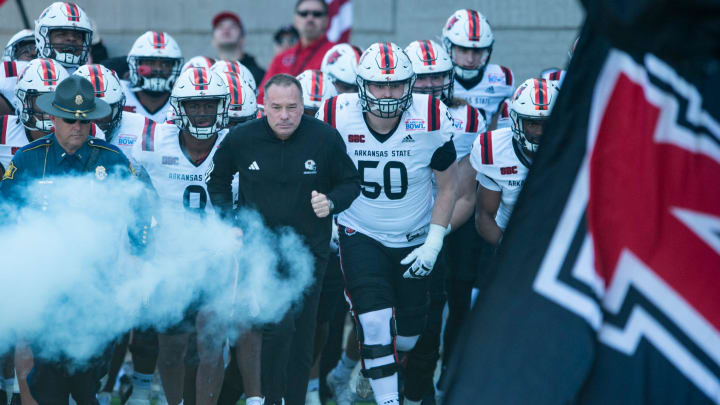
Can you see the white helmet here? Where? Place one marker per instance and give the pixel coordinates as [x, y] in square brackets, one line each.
[430, 59]
[243, 105]
[39, 77]
[223, 66]
[532, 102]
[340, 64]
[200, 84]
[107, 88]
[384, 63]
[63, 16]
[154, 45]
[15, 42]
[316, 88]
[468, 29]
[198, 61]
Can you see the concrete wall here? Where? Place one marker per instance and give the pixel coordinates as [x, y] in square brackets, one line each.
[530, 35]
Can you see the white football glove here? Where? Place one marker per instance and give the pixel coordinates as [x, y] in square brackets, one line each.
[423, 257]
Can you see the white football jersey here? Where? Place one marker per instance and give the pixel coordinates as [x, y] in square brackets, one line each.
[14, 137]
[496, 85]
[557, 75]
[179, 182]
[132, 127]
[501, 167]
[396, 201]
[468, 121]
[132, 104]
[9, 74]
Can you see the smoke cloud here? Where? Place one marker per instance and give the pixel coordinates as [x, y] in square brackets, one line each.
[69, 284]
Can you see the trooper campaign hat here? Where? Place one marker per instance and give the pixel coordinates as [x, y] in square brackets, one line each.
[74, 98]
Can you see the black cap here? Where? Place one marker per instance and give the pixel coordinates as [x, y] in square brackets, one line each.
[74, 98]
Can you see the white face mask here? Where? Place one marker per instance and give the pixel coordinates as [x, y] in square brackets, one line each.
[466, 74]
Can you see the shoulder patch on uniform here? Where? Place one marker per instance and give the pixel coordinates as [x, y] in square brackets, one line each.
[10, 172]
[433, 113]
[329, 112]
[3, 127]
[508, 75]
[10, 69]
[148, 135]
[486, 144]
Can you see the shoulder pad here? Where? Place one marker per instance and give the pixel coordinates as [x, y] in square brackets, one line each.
[434, 117]
[508, 75]
[99, 143]
[472, 120]
[10, 69]
[486, 145]
[329, 111]
[148, 135]
[4, 128]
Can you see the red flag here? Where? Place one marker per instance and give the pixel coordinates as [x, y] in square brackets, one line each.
[340, 15]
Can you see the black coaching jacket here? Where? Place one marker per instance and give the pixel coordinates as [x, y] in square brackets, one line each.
[277, 177]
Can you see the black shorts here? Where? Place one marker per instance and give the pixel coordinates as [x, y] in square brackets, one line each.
[374, 280]
[331, 295]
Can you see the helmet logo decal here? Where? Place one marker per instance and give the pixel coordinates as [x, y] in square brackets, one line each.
[316, 86]
[428, 53]
[540, 96]
[387, 59]
[474, 25]
[451, 22]
[72, 12]
[200, 76]
[159, 40]
[97, 80]
[49, 76]
[333, 58]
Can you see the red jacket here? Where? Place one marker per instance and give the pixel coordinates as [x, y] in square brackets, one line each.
[296, 60]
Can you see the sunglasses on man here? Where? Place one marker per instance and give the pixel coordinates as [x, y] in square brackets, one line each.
[316, 14]
[71, 121]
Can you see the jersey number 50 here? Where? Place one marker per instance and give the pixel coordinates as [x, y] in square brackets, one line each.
[371, 189]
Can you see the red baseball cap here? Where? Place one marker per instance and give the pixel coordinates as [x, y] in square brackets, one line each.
[227, 15]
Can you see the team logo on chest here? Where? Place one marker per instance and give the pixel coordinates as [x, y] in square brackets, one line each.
[310, 167]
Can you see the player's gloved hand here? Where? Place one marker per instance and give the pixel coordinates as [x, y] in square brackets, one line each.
[423, 258]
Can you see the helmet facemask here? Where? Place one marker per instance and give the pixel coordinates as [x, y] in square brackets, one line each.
[32, 118]
[527, 131]
[68, 55]
[385, 107]
[190, 122]
[159, 81]
[442, 91]
[114, 121]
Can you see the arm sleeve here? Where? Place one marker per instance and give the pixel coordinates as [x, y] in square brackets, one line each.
[487, 182]
[219, 178]
[345, 179]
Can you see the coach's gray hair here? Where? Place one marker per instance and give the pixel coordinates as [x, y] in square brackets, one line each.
[283, 80]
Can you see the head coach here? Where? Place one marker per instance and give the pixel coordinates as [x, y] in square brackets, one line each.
[294, 170]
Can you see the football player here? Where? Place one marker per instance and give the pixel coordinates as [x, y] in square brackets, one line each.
[316, 88]
[122, 129]
[64, 33]
[243, 106]
[435, 75]
[469, 40]
[176, 159]
[340, 65]
[154, 63]
[21, 46]
[399, 142]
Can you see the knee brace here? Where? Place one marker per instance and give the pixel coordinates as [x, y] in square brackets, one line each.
[376, 332]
